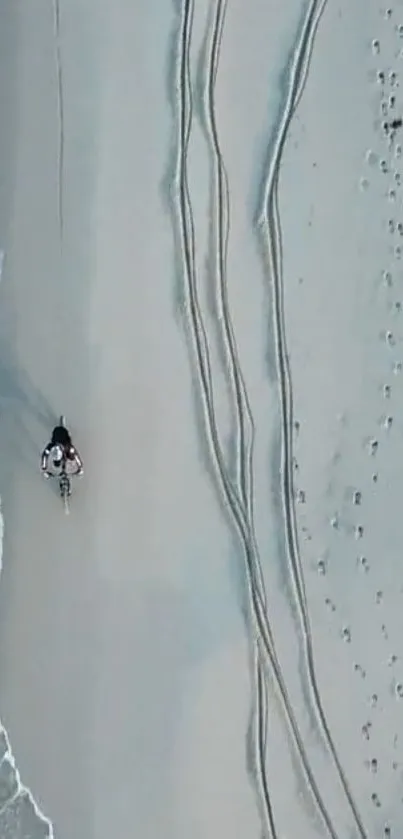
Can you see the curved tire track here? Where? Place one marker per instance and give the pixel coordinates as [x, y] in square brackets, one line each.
[235, 507]
[269, 227]
[245, 430]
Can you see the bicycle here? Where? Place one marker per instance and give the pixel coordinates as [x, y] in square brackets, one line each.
[63, 476]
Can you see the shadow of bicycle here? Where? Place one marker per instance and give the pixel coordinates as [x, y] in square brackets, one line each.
[26, 417]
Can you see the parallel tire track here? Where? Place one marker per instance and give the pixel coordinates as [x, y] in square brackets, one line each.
[269, 225]
[245, 431]
[235, 507]
[222, 205]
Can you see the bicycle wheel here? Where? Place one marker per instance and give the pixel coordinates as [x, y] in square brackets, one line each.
[65, 490]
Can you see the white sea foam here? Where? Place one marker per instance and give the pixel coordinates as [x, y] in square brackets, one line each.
[20, 816]
[16, 802]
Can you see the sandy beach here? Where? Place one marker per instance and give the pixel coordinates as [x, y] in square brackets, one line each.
[200, 245]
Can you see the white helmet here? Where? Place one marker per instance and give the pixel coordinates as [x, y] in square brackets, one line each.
[57, 455]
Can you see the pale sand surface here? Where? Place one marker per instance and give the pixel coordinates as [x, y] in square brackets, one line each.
[127, 655]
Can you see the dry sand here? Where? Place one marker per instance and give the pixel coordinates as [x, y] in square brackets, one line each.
[172, 657]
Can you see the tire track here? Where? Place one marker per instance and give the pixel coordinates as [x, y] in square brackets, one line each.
[270, 228]
[261, 742]
[244, 424]
[244, 419]
[235, 508]
[60, 108]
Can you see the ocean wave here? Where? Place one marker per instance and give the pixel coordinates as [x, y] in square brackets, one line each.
[20, 816]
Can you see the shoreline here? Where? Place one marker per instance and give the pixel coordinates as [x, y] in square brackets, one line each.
[139, 686]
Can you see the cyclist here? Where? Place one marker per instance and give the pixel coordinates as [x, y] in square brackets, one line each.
[60, 446]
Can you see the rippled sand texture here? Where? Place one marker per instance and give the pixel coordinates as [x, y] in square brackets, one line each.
[200, 240]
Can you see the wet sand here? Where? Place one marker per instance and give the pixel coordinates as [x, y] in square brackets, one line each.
[138, 678]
